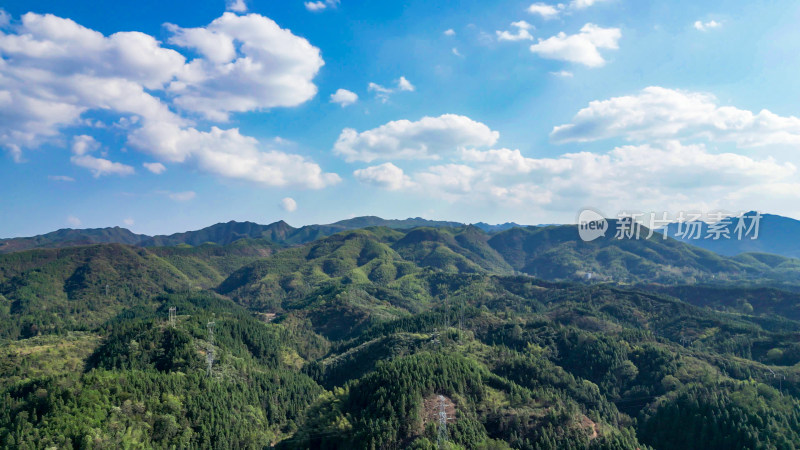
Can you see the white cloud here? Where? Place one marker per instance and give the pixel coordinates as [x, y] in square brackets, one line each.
[128, 222]
[387, 176]
[548, 12]
[449, 32]
[289, 204]
[53, 70]
[230, 154]
[317, 6]
[645, 177]
[271, 68]
[83, 145]
[182, 196]
[706, 26]
[582, 4]
[427, 138]
[100, 166]
[375, 87]
[63, 178]
[520, 34]
[582, 48]
[5, 18]
[344, 97]
[73, 221]
[447, 180]
[456, 52]
[383, 92]
[545, 11]
[508, 161]
[236, 5]
[563, 74]
[156, 168]
[658, 113]
[404, 85]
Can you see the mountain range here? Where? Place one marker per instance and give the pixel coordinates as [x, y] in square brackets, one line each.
[550, 252]
[776, 234]
[332, 337]
[222, 233]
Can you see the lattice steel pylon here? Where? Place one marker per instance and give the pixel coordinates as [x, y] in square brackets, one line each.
[172, 313]
[210, 351]
[442, 438]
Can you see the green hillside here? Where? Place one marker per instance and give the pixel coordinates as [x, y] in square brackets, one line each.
[556, 252]
[360, 340]
[72, 238]
[79, 288]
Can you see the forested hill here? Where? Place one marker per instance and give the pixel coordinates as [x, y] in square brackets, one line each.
[222, 233]
[776, 234]
[361, 339]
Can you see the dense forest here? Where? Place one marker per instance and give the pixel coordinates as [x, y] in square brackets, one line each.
[389, 338]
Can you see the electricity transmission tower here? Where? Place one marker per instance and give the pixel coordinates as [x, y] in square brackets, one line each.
[446, 313]
[442, 423]
[172, 314]
[210, 351]
[461, 315]
[780, 377]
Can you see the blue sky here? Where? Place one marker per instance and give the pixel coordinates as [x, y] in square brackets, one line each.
[167, 116]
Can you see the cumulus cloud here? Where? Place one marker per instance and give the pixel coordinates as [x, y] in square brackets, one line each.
[249, 63]
[236, 5]
[428, 138]
[706, 26]
[289, 204]
[387, 176]
[5, 18]
[100, 166]
[83, 145]
[321, 5]
[449, 32]
[562, 74]
[583, 4]
[404, 85]
[53, 70]
[128, 222]
[230, 154]
[582, 48]
[344, 97]
[658, 113]
[448, 179]
[154, 167]
[647, 177]
[522, 32]
[545, 11]
[382, 92]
